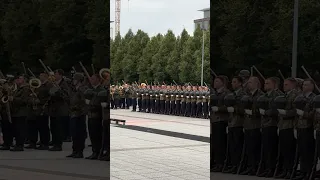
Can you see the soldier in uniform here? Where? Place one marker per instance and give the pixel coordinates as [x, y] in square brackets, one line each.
[205, 102]
[94, 116]
[252, 124]
[167, 100]
[134, 94]
[157, 100]
[304, 126]
[112, 101]
[122, 98]
[116, 96]
[41, 118]
[287, 115]
[183, 101]
[218, 122]
[19, 111]
[235, 124]
[78, 116]
[269, 120]
[178, 101]
[244, 74]
[152, 100]
[147, 99]
[58, 109]
[162, 95]
[127, 95]
[188, 95]
[199, 93]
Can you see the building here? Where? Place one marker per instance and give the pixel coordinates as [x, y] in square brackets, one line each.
[205, 21]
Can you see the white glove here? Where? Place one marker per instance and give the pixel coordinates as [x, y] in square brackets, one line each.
[104, 104]
[230, 109]
[262, 111]
[282, 111]
[87, 101]
[300, 112]
[215, 108]
[248, 111]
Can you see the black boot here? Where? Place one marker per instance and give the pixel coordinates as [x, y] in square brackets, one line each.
[17, 149]
[31, 146]
[93, 156]
[78, 155]
[56, 148]
[43, 147]
[71, 155]
[282, 175]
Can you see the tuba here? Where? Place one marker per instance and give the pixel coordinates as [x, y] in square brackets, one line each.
[11, 89]
[34, 83]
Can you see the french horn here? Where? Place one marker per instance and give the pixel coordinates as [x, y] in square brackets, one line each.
[34, 83]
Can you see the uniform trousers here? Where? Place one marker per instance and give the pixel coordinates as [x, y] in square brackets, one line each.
[167, 107]
[128, 102]
[95, 133]
[178, 107]
[183, 108]
[7, 131]
[219, 142]
[205, 109]
[157, 106]
[122, 103]
[287, 148]
[106, 136]
[39, 125]
[270, 146]
[162, 106]
[56, 125]
[193, 109]
[152, 105]
[188, 109]
[20, 129]
[253, 146]
[306, 147]
[140, 104]
[235, 144]
[199, 110]
[79, 132]
[134, 104]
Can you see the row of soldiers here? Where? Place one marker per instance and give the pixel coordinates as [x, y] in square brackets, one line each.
[189, 101]
[256, 129]
[40, 107]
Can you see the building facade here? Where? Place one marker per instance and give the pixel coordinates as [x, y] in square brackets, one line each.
[205, 21]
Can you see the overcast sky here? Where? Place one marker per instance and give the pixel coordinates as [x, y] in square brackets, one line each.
[157, 16]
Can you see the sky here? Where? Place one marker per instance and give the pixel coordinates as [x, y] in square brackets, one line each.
[158, 16]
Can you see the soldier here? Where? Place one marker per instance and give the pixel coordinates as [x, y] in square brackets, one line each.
[218, 122]
[287, 115]
[58, 109]
[183, 101]
[304, 126]
[269, 120]
[235, 124]
[19, 111]
[94, 116]
[178, 101]
[7, 126]
[105, 150]
[134, 94]
[112, 101]
[122, 98]
[199, 93]
[127, 95]
[139, 96]
[157, 99]
[193, 101]
[205, 102]
[78, 116]
[116, 96]
[162, 95]
[188, 95]
[244, 74]
[152, 100]
[167, 100]
[41, 118]
[147, 99]
[252, 126]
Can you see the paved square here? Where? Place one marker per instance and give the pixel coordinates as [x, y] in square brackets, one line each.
[145, 155]
[45, 165]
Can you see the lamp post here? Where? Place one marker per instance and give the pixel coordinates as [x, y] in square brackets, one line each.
[295, 39]
[202, 63]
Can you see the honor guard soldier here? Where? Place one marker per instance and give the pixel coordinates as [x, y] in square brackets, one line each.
[157, 98]
[147, 99]
[116, 96]
[218, 120]
[269, 136]
[187, 112]
[139, 97]
[206, 98]
[251, 125]
[287, 141]
[152, 100]
[94, 115]
[193, 101]
[316, 107]
[183, 101]
[304, 126]
[122, 98]
[112, 101]
[199, 100]
[162, 99]
[127, 95]
[167, 100]
[178, 101]
[78, 112]
[235, 125]
[172, 100]
[244, 74]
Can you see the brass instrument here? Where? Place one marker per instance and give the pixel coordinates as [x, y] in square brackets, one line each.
[104, 73]
[5, 98]
[34, 83]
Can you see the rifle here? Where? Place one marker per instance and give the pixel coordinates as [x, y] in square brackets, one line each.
[255, 68]
[24, 68]
[86, 72]
[212, 72]
[175, 83]
[31, 72]
[93, 70]
[281, 75]
[306, 72]
[74, 69]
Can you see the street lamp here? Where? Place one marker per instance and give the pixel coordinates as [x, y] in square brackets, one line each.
[295, 39]
[202, 63]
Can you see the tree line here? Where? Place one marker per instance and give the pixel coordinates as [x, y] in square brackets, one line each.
[60, 32]
[160, 59]
[260, 33]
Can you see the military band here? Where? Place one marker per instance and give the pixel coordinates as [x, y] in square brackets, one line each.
[258, 130]
[53, 107]
[188, 101]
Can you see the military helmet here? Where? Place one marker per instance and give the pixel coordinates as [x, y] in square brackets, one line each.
[263, 102]
[230, 100]
[247, 102]
[78, 77]
[244, 73]
[300, 102]
[280, 102]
